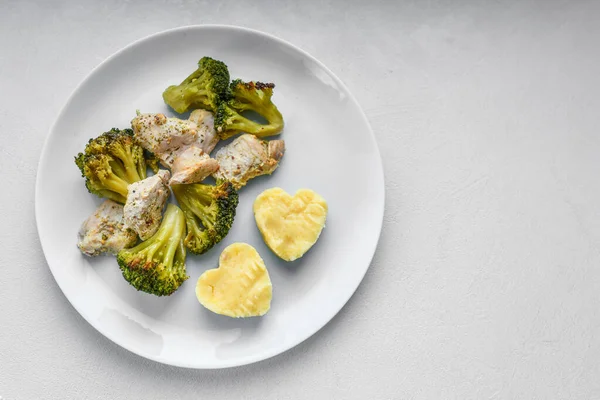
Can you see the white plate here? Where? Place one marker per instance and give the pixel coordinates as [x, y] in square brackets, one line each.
[330, 149]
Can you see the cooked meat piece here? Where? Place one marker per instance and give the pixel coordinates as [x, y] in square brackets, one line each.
[145, 202]
[164, 136]
[276, 150]
[105, 231]
[207, 135]
[247, 157]
[192, 165]
[181, 145]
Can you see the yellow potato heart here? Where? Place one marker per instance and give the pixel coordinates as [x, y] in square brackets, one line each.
[290, 225]
[240, 287]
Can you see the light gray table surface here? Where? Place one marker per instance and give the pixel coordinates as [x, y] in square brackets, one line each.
[486, 281]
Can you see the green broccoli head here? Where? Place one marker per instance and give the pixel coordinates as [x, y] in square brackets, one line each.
[151, 160]
[111, 162]
[248, 96]
[157, 265]
[204, 88]
[209, 212]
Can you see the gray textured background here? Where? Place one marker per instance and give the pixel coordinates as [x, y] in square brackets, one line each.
[486, 282]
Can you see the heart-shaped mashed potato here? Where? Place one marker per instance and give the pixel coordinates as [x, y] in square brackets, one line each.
[290, 225]
[240, 287]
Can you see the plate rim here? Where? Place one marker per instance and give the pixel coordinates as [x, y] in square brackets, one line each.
[259, 356]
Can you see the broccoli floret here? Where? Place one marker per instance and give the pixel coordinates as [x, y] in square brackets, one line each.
[209, 212]
[151, 160]
[157, 265]
[248, 96]
[204, 88]
[110, 162]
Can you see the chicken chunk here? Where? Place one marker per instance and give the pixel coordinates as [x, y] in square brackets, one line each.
[172, 138]
[145, 202]
[105, 231]
[247, 157]
[164, 136]
[207, 135]
[192, 165]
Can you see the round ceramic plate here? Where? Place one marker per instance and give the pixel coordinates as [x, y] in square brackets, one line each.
[330, 149]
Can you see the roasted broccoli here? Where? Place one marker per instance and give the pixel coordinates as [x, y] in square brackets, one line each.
[209, 212]
[248, 96]
[112, 161]
[157, 265]
[204, 88]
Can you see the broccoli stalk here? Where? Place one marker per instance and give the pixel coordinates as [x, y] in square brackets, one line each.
[157, 265]
[111, 162]
[101, 178]
[250, 96]
[209, 213]
[204, 88]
